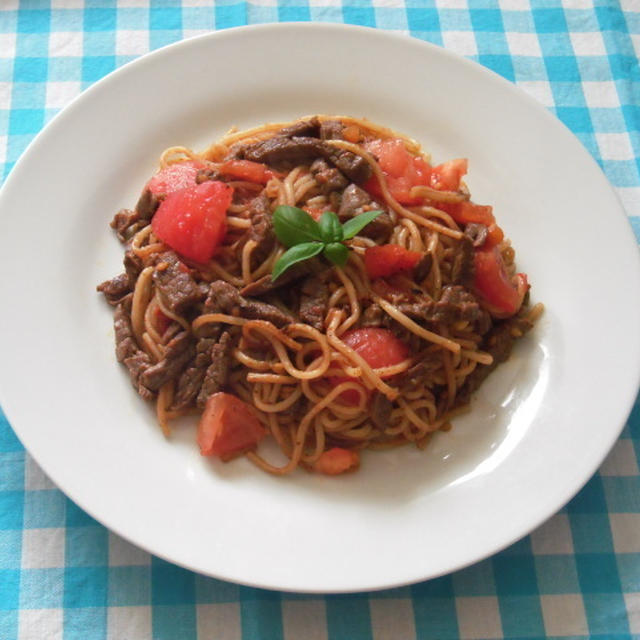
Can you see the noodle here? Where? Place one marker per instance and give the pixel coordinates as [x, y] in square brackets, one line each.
[301, 354]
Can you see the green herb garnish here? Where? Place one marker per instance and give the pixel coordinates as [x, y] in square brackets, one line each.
[307, 238]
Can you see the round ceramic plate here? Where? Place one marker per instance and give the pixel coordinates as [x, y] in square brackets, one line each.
[539, 427]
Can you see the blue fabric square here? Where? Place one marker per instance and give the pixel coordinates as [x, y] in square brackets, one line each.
[500, 64]
[100, 43]
[88, 623]
[8, 439]
[555, 45]
[33, 21]
[9, 624]
[486, 20]
[76, 517]
[177, 621]
[423, 19]
[8, 21]
[521, 616]
[11, 509]
[231, 15]
[30, 69]
[10, 548]
[293, 13]
[210, 590]
[590, 499]
[25, 121]
[32, 45]
[435, 618]
[360, 15]
[621, 173]
[171, 584]
[550, 20]
[557, 574]
[261, 612]
[99, 19]
[161, 38]
[44, 508]
[606, 616]
[10, 591]
[41, 588]
[392, 17]
[591, 533]
[165, 18]
[476, 580]
[597, 573]
[454, 20]
[26, 94]
[12, 471]
[578, 120]
[437, 588]
[129, 586]
[562, 69]
[629, 571]
[85, 587]
[199, 17]
[86, 546]
[96, 67]
[515, 575]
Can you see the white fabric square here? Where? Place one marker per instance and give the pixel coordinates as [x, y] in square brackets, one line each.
[539, 90]
[523, 44]
[124, 554]
[325, 3]
[614, 146]
[625, 529]
[67, 4]
[564, 615]
[220, 621]
[452, 4]
[192, 33]
[588, 43]
[630, 197]
[34, 477]
[622, 461]
[635, 39]
[65, 44]
[5, 95]
[60, 94]
[7, 45]
[553, 537]
[632, 602]
[462, 42]
[43, 548]
[132, 4]
[3, 148]
[601, 94]
[132, 43]
[296, 615]
[479, 617]
[40, 624]
[392, 618]
[515, 5]
[129, 623]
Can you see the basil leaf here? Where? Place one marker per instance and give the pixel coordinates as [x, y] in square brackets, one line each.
[294, 226]
[296, 254]
[357, 223]
[337, 253]
[330, 227]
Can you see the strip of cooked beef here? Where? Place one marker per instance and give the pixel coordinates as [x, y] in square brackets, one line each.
[355, 201]
[179, 351]
[263, 286]
[190, 380]
[132, 266]
[331, 130]
[218, 371]
[175, 285]
[423, 268]
[261, 231]
[462, 264]
[127, 351]
[225, 298]
[147, 205]
[380, 410]
[127, 221]
[477, 233]
[314, 300]
[375, 316]
[116, 289]
[329, 178]
[305, 128]
[427, 362]
[290, 151]
[122, 222]
[455, 304]
[499, 343]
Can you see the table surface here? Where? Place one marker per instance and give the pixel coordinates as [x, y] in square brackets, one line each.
[62, 575]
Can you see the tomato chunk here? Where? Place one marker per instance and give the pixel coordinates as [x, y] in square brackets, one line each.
[247, 170]
[447, 176]
[378, 348]
[193, 221]
[174, 177]
[387, 259]
[493, 284]
[337, 460]
[228, 427]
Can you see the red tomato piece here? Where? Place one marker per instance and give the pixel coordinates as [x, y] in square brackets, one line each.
[174, 177]
[387, 259]
[447, 176]
[493, 284]
[247, 170]
[228, 427]
[337, 460]
[193, 221]
[378, 348]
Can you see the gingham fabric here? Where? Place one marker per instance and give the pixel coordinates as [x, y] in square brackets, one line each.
[62, 575]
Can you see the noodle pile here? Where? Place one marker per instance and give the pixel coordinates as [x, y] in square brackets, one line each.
[295, 376]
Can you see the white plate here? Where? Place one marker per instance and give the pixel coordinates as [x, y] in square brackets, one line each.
[540, 426]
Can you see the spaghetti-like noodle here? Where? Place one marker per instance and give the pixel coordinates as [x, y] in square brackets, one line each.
[188, 330]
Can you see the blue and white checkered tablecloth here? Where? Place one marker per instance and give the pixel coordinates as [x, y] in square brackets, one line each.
[62, 575]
